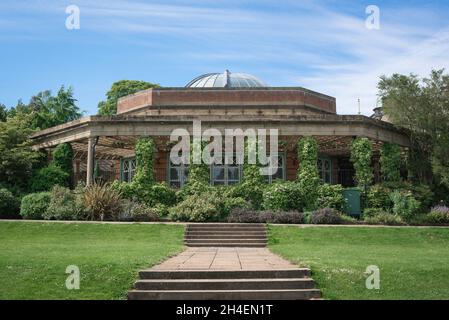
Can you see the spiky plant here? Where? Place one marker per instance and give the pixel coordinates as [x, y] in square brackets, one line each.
[102, 202]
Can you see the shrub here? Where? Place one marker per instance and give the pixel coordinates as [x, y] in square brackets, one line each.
[196, 207]
[326, 216]
[34, 205]
[63, 205]
[308, 172]
[385, 218]
[241, 215]
[404, 204]
[292, 217]
[371, 212]
[331, 196]
[361, 152]
[102, 202]
[151, 195]
[378, 196]
[143, 213]
[283, 195]
[345, 219]
[48, 177]
[438, 215]
[9, 205]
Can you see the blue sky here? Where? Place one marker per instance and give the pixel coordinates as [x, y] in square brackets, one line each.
[320, 45]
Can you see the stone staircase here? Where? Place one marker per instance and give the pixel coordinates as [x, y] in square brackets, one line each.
[225, 262]
[225, 235]
[288, 284]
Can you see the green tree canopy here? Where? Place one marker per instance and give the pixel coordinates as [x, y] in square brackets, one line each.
[121, 89]
[422, 107]
[17, 159]
[3, 113]
[49, 110]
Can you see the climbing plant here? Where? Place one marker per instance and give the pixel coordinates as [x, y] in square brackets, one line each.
[390, 162]
[145, 148]
[361, 152]
[307, 175]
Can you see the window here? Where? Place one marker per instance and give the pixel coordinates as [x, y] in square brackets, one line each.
[324, 170]
[226, 174]
[128, 169]
[178, 174]
[280, 173]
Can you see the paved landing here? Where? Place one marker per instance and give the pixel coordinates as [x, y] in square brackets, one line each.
[211, 258]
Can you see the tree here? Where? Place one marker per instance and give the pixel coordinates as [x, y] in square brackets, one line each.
[48, 110]
[17, 159]
[3, 113]
[390, 162]
[422, 107]
[121, 89]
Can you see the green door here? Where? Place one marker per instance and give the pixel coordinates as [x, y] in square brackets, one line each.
[352, 196]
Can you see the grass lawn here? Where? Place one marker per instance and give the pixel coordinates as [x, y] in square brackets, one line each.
[34, 257]
[413, 262]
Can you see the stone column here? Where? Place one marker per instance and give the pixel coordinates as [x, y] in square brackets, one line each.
[91, 159]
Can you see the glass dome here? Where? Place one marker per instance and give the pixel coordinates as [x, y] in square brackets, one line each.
[226, 80]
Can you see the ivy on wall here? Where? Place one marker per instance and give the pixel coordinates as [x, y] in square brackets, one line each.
[307, 175]
[145, 149]
[361, 153]
[390, 162]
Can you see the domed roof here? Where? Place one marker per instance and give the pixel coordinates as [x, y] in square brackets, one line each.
[226, 80]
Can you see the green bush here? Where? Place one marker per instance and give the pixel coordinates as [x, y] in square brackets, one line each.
[9, 205]
[404, 204]
[283, 195]
[34, 205]
[371, 212]
[143, 213]
[196, 207]
[214, 205]
[378, 196]
[63, 205]
[48, 177]
[385, 218]
[151, 195]
[437, 217]
[331, 196]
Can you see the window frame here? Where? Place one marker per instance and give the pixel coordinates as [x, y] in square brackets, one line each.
[131, 172]
[322, 172]
[269, 179]
[226, 171]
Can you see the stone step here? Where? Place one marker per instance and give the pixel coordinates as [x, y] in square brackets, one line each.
[227, 245]
[236, 240]
[242, 230]
[219, 224]
[225, 284]
[297, 294]
[225, 232]
[226, 236]
[225, 274]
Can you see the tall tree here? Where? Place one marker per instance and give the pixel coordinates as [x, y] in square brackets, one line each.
[422, 107]
[3, 113]
[49, 110]
[121, 89]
